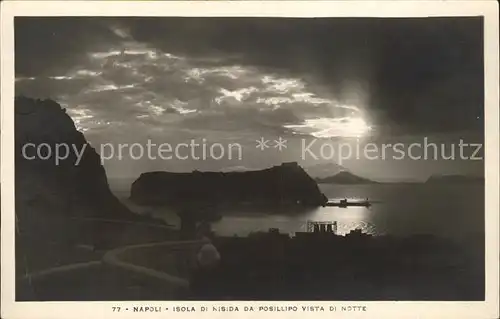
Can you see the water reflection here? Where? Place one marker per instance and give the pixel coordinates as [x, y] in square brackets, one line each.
[399, 210]
[290, 220]
[348, 219]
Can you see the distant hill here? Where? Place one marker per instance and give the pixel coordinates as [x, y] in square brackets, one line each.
[399, 181]
[323, 170]
[344, 177]
[454, 179]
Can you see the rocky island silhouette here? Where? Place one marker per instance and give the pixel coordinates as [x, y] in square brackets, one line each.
[287, 183]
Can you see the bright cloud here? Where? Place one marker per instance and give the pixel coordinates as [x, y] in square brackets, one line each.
[333, 127]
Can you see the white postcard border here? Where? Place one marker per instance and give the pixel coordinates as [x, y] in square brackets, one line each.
[387, 309]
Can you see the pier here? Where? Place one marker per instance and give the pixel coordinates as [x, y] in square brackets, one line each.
[344, 203]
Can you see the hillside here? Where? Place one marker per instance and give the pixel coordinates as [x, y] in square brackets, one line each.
[323, 170]
[344, 177]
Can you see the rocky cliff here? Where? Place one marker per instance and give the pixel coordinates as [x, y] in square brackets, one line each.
[284, 184]
[62, 187]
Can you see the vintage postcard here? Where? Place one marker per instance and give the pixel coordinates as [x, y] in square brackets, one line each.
[278, 159]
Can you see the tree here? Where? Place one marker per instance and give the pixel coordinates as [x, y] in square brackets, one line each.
[194, 213]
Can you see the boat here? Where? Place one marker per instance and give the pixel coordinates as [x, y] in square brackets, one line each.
[345, 203]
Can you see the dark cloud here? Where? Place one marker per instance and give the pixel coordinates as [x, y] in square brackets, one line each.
[419, 74]
[52, 45]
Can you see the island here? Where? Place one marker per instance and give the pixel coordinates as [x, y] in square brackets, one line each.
[454, 179]
[286, 184]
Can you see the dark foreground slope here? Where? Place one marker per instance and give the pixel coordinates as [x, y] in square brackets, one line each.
[323, 266]
[284, 184]
[65, 212]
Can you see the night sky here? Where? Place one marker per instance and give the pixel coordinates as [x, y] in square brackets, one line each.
[233, 79]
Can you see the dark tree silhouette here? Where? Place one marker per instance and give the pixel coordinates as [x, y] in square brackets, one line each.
[192, 214]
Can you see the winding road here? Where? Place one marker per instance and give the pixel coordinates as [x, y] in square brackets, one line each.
[117, 258]
[113, 258]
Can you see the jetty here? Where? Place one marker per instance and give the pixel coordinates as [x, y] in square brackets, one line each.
[345, 203]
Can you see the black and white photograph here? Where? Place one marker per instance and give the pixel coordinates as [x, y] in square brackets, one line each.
[244, 158]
